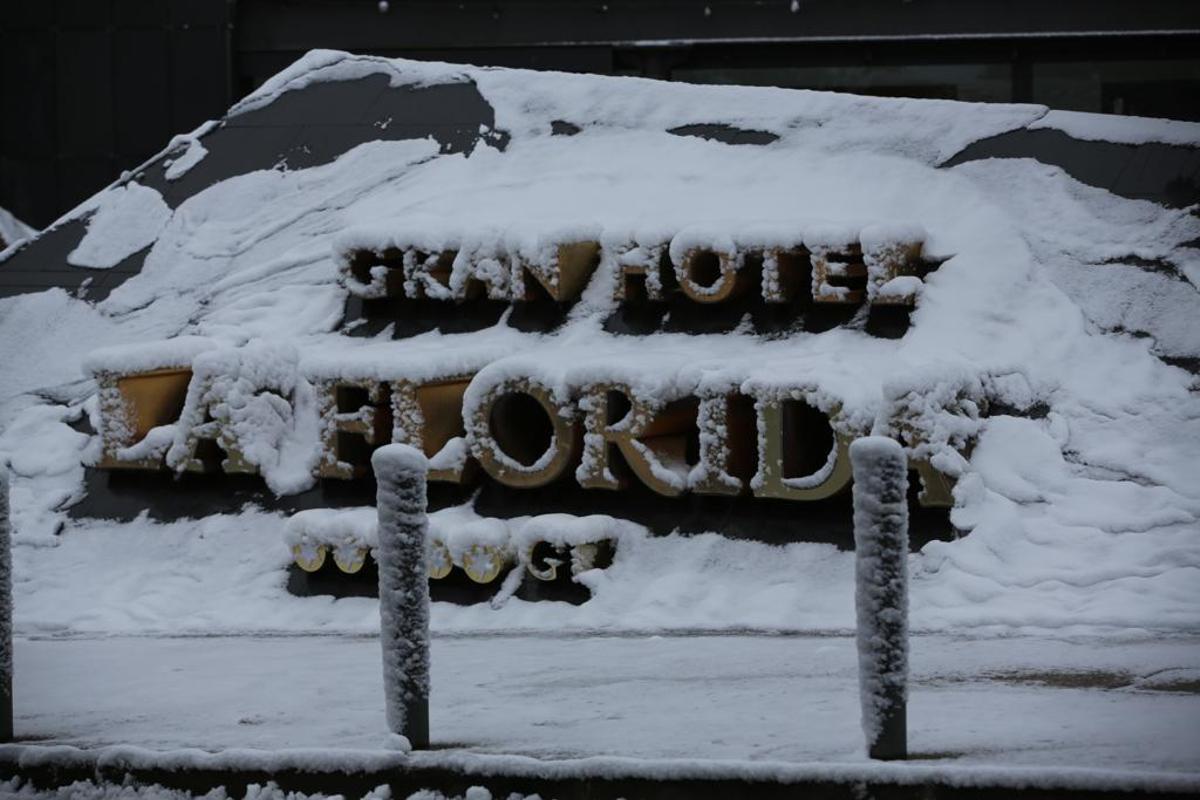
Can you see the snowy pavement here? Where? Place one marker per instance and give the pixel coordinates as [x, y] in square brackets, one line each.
[1129, 704]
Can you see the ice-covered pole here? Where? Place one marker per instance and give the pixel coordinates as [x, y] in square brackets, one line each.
[403, 590]
[881, 592]
[6, 642]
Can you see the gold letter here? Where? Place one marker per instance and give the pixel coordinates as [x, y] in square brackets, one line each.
[520, 436]
[429, 416]
[654, 442]
[708, 276]
[355, 419]
[800, 456]
[727, 436]
[564, 277]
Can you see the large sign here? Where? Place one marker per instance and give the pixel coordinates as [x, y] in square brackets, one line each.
[191, 405]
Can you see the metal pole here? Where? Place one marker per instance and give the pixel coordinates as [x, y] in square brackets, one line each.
[6, 641]
[881, 592]
[403, 590]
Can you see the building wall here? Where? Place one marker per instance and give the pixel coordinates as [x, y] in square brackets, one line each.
[93, 87]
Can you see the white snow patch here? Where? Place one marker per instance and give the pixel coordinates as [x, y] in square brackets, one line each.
[18, 789]
[13, 230]
[178, 166]
[124, 220]
[1120, 129]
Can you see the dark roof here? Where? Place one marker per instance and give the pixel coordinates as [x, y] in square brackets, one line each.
[315, 124]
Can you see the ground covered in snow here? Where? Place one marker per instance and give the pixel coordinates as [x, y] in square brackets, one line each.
[227, 575]
[1125, 704]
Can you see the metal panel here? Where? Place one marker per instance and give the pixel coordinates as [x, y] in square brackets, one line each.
[139, 13]
[143, 88]
[199, 76]
[28, 80]
[193, 13]
[85, 110]
[104, 84]
[83, 13]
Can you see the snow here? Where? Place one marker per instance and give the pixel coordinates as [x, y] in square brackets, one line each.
[927, 129]
[1120, 129]
[13, 230]
[458, 529]
[124, 219]
[1051, 710]
[333, 527]
[128, 359]
[46, 338]
[227, 573]
[1091, 255]
[263, 414]
[192, 155]
[46, 478]
[16, 789]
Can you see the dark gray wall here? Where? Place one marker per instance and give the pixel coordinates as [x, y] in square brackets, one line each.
[93, 87]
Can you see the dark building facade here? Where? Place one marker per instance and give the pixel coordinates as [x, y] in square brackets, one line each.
[94, 87]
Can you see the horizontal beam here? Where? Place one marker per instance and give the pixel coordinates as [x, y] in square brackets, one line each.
[433, 24]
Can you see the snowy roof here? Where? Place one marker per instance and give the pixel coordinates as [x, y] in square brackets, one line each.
[1067, 302]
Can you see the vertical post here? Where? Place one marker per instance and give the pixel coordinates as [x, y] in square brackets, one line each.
[403, 590]
[6, 640]
[881, 592]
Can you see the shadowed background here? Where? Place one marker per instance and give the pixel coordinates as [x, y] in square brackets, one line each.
[93, 87]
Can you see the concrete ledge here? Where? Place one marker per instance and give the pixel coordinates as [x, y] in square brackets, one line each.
[353, 773]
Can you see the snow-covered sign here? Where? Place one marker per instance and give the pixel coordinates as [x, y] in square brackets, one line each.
[571, 303]
[527, 422]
